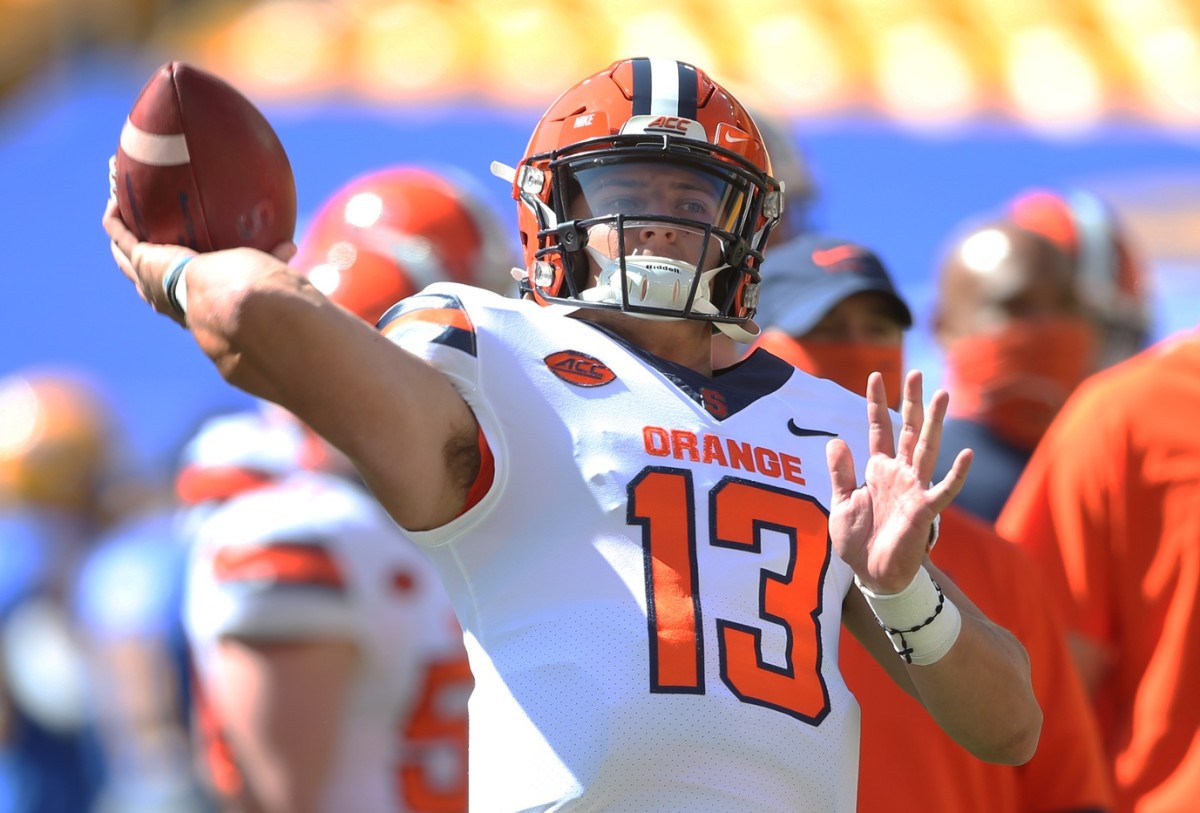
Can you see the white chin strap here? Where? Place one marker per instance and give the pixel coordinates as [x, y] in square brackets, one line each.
[660, 282]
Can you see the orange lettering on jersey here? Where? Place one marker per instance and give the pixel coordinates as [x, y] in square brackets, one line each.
[714, 452]
[767, 461]
[727, 453]
[741, 456]
[685, 445]
[656, 441]
[579, 369]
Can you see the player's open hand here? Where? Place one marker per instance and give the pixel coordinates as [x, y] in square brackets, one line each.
[882, 527]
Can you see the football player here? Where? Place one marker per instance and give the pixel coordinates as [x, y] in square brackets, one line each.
[651, 563]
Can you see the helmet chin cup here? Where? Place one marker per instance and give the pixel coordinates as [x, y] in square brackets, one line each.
[647, 285]
[647, 281]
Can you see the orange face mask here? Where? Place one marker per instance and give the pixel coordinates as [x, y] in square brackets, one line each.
[844, 363]
[1015, 381]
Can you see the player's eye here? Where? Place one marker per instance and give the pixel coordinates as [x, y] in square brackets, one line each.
[619, 205]
[698, 206]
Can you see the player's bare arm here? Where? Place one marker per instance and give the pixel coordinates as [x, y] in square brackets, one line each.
[328, 367]
[979, 689]
[286, 757]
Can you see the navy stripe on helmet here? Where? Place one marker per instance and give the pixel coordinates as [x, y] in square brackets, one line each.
[687, 91]
[643, 90]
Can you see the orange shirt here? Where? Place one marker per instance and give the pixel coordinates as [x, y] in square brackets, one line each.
[1110, 508]
[909, 764]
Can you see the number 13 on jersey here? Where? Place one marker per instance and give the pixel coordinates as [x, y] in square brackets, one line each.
[662, 502]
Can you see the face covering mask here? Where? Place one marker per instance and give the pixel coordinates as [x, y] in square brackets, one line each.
[844, 363]
[1015, 381]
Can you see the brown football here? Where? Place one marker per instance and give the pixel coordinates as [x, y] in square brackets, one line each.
[199, 165]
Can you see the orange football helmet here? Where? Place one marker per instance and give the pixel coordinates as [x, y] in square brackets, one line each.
[1113, 282]
[56, 433]
[387, 234]
[603, 138]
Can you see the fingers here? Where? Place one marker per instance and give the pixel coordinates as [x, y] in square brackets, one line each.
[879, 418]
[925, 455]
[912, 414]
[941, 494]
[122, 237]
[841, 470]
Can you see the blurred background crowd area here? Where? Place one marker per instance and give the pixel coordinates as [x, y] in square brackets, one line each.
[1058, 66]
[910, 116]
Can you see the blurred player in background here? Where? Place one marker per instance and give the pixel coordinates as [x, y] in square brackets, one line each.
[651, 570]
[331, 670]
[1028, 304]
[1109, 506]
[1009, 317]
[1114, 283]
[130, 599]
[59, 456]
[831, 309]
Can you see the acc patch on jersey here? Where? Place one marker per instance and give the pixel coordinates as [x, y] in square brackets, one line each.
[579, 369]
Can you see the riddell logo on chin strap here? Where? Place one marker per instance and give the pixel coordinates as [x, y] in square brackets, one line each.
[579, 369]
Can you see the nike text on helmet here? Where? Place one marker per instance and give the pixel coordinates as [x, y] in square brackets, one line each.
[656, 175]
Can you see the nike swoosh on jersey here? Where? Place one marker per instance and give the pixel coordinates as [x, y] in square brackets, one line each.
[800, 432]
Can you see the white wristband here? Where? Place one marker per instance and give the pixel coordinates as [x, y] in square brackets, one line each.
[922, 623]
[175, 284]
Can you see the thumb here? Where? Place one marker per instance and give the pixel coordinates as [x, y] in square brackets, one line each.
[841, 470]
[284, 251]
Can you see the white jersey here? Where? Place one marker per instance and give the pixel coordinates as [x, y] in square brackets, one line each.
[315, 556]
[650, 599]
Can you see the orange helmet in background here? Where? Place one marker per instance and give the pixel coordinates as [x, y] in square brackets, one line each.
[56, 441]
[388, 234]
[1113, 282]
[656, 112]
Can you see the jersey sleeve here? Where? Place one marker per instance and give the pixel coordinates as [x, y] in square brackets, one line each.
[435, 325]
[261, 574]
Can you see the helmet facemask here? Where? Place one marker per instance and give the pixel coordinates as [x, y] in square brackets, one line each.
[632, 217]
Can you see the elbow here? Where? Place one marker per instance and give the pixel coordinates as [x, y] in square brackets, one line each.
[1018, 743]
